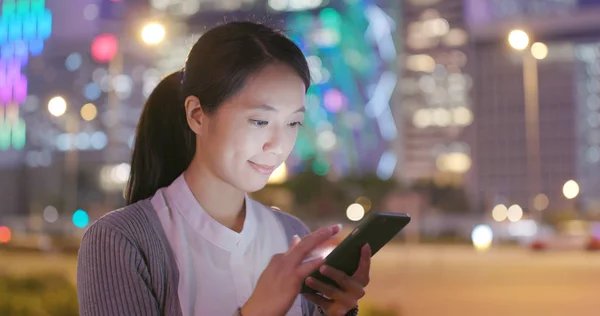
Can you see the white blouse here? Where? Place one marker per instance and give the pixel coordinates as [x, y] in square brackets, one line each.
[218, 267]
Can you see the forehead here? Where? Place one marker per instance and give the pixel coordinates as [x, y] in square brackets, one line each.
[277, 86]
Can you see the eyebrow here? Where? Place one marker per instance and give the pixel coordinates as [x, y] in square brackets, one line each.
[266, 107]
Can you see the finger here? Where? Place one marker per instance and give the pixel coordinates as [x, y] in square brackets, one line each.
[349, 285]
[311, 241]
[326, 289]
[309, 266]
[295, 241]
[364, 266]
[319, 300]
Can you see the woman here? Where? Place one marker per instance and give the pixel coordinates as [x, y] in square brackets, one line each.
[190, 241]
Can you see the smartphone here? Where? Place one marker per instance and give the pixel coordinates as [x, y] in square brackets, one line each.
[377, 229]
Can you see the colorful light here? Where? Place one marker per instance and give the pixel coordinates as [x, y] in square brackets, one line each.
[105, 47]
[353, 76]
[80, 219]
[5, 235]
[24, 26]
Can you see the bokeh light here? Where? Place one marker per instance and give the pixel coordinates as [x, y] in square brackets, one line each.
[89, 111]
[73, 61]
[50, 214]
[571, 189]
[104, 47]
[153, 33]
[541, 202]
[57, 106]
[365, 202]
[92, 91]
[499, 212]
[80, 219]
[482, 237]
[514, 213]
[518, 39]
[5, 234]
[355, 212]
[539, 50]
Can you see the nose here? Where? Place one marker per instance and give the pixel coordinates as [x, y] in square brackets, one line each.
[275, 143]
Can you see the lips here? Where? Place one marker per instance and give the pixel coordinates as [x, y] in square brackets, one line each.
[262, 169]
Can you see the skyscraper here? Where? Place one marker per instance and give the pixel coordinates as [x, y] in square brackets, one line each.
[567, 94]
[435, 97]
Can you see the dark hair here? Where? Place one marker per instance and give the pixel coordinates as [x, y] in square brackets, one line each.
[216, 69]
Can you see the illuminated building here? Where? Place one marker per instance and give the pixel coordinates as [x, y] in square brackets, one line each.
[435, 91]
[568, 103]
[24, 27]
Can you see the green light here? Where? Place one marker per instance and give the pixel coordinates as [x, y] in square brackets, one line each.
[320, 167]
[8, 8]
[304, 148]
[19, 135]
[4, 136]
[22, 6]
[38, 5]
[330, 18]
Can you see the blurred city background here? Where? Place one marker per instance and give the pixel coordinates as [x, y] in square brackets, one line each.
[479, 118]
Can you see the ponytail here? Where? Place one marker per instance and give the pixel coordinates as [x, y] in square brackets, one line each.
[164, 143]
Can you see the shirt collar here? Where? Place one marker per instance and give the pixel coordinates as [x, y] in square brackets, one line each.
[180, 197]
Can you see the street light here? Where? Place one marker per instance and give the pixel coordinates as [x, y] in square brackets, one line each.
[153, 33]
[571, 189]
[539, 50]
[57, 106]
[519, 40]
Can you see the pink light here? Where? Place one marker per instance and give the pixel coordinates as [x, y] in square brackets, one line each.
[6, 93]
[20, 90]
[13, 70]
[104, 47]
[334, 101]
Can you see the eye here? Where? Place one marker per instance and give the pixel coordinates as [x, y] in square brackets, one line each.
[259, 123]
[296, 124]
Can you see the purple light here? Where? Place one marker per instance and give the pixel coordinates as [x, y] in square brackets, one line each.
[5, 93]
[334, 101]
[20, 90]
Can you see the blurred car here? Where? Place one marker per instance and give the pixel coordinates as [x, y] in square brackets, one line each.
[571, 235]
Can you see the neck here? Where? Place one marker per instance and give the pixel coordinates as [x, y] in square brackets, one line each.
[219, 199]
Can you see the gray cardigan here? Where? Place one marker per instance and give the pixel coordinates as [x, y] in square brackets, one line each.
[126, 265]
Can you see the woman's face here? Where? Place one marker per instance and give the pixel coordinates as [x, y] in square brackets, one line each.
[254, 132]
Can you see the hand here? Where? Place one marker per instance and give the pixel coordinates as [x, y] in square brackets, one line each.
[341, 301]
[280, 283]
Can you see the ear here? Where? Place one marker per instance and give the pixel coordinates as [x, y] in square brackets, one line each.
[194, 114]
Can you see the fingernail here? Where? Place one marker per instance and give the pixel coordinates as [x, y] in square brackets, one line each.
[336, 228]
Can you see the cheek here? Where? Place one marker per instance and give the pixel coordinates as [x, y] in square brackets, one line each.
[246, 143]
[290, 141]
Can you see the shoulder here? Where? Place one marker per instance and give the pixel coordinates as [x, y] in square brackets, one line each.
[130, 223]
[290, 222]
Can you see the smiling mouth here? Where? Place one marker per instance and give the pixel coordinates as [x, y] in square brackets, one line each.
[262, 169]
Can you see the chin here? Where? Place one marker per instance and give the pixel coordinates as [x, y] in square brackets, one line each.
[252, 185]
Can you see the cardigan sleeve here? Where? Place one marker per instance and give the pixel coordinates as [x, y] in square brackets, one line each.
[112, 276]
